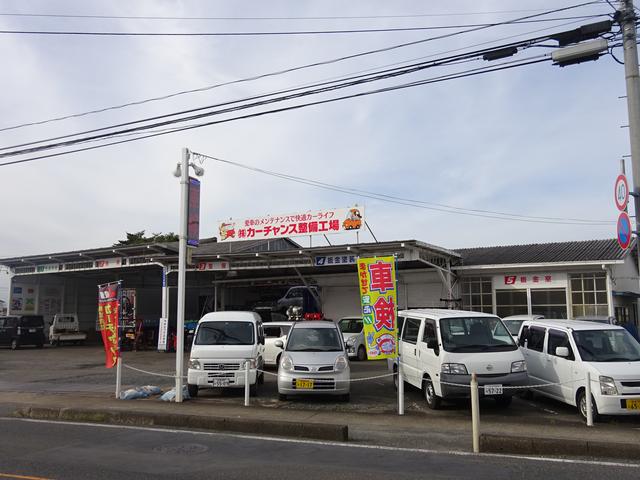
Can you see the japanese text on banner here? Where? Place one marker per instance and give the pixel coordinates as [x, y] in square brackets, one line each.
[108, 317]
[377, 280]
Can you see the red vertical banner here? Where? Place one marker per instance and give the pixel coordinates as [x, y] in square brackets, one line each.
[108, 317]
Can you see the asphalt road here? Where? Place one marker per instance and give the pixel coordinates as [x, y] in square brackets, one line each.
[48, 450]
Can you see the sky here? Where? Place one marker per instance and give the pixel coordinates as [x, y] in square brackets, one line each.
[536, 140]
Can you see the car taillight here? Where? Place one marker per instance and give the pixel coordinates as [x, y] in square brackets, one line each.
[313, 316]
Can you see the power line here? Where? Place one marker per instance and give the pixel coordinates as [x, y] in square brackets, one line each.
[487, 69]
[281, 72]
[280, 32]
[411, 202]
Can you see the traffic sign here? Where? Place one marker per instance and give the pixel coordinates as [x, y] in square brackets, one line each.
[624, 230]
[621, 192]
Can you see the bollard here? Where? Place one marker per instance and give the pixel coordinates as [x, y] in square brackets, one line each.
[400, 391]
[475, 413]
[246, 383]
[589, 402]
[118, 376]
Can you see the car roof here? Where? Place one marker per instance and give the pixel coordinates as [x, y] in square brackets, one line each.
[350, 318]
[314, 324]
[229, 316]
[277, 324]
[523, 317]
[440, 313]
[573, 324]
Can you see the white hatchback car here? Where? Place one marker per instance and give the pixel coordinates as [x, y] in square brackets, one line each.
[274, 331]
[352, 330]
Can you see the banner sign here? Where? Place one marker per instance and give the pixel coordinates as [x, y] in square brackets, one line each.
[378, 297]
[193, 213]
[318, 222]
[163, 329]
[108, 263]
[325, 261]
[108, 317]
[206, 266]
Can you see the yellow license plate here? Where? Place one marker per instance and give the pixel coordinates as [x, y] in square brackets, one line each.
[304, 384]
[633, 404]
[130, 335]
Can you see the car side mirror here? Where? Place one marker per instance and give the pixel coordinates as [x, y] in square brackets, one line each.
[432, 343]
[279, 344]
[562, 352]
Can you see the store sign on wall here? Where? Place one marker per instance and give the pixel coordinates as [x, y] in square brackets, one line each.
[531, 280]
[108, 263]
[327, 261]
[317, 222]
[212, 266]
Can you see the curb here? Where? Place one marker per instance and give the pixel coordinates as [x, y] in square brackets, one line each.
[315, 431]
[557, 446]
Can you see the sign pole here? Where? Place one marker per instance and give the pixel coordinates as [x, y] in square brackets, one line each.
[118, 377]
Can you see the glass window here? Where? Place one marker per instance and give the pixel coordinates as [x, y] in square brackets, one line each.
[558, 339]
[429, 331]
[524, 336]
[476, 294]
[550, 302]
[351, 325]
[225, 333]
[31, 321]
[511, 302]
[536, 339]
[314, 340]
[614, 345]
[589, 294]
[411, 329]
[475, 334]
[273, 332]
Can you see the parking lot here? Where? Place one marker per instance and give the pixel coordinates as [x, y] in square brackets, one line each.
[80, 370]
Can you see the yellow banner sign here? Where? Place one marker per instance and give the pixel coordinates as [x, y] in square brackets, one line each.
[377, 279]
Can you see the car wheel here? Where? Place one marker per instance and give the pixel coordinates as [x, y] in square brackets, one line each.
[433, 400]
[193, 390]
[282, 397]
[14, 344]
[345, 398]
[504, 400]
[582, 406]
[261, 379]
[362, 353]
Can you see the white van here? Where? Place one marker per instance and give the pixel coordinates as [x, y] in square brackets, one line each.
[563, 351]
[443, 347]
[222, 344]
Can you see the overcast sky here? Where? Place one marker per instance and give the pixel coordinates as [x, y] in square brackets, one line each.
[536, 140]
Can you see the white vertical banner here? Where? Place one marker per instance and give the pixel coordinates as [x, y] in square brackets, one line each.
[163, 328]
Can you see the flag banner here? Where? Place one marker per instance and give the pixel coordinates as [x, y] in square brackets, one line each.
[378, 297]
[109, 319]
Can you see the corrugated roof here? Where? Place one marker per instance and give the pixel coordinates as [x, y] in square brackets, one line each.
[581, 251]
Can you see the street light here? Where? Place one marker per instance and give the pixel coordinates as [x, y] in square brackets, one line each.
[182, 171]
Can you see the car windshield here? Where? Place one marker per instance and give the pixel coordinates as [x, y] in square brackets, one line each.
[314, 340]
[475, 334]
[615, 345]
[351, 325]
[513, 326]
[225, 333]
[31, 321]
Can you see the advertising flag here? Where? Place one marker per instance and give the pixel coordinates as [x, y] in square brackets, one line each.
[109, 320]
[378, 297]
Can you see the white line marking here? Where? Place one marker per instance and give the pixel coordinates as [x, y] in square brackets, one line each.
[328, 443]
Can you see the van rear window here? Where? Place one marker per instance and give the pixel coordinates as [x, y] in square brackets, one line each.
[31, 321]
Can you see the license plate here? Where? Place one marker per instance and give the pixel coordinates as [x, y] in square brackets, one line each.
[633, 403]
[32, 330]
[130, 335]
[304, 384]
[220, 382]
[493, 389]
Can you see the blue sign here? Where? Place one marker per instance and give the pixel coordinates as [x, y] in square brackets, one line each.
[624, 230]
[327, 261]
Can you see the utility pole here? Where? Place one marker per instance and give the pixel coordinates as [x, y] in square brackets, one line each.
[632, 78]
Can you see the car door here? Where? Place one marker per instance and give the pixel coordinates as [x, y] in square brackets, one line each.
[532, 340]
[409, 351]
[272, 333]
[561, 370]
[427, 360]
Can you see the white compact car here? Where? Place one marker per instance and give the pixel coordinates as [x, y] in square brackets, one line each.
[561, 352]
[314, 361]
[352, 330]
[274, 331]
[223, 343]
[514, 322]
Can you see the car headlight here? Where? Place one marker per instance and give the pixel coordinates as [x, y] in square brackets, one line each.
[351, 341]
[520, 366]
[454, 368]
[608, 386]
[286, 363]
[194, 365]
[341, 364]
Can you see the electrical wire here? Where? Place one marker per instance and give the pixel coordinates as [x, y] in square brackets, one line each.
[279, 110]
[411, 202]
[281, 32]
[281, 72]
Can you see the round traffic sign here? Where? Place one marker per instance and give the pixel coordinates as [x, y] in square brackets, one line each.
[621, 192]
[624, 230]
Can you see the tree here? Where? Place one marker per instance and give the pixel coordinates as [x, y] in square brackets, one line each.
[138, 238]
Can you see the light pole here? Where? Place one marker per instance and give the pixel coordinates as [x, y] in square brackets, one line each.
[182, 171]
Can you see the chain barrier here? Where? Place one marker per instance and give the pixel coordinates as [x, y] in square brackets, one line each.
[513, 387]
[150, 373]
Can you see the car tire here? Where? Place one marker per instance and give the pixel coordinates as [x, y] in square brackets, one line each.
[14, 344]
[433, 400]
[193, 390]
[261, 378]
[282, 397]
[345, 398]
[504, 400]
[362, 353]
[582, 406]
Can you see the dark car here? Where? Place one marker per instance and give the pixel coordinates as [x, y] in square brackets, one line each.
[300, 296]
[19, 330]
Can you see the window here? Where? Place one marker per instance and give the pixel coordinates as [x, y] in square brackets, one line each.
[400, 324]
[511, 302]
[225, 333]
[536, 339]
[589, 294]
[551, 302]
[273, 332]
[476, 294]
[411, 329]
[524, 336]
[475, 334]
[314, 340]
[558, 339]
[350, 325]
[429, 331]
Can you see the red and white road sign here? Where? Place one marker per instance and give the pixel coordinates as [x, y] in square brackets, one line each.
[621, 192]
